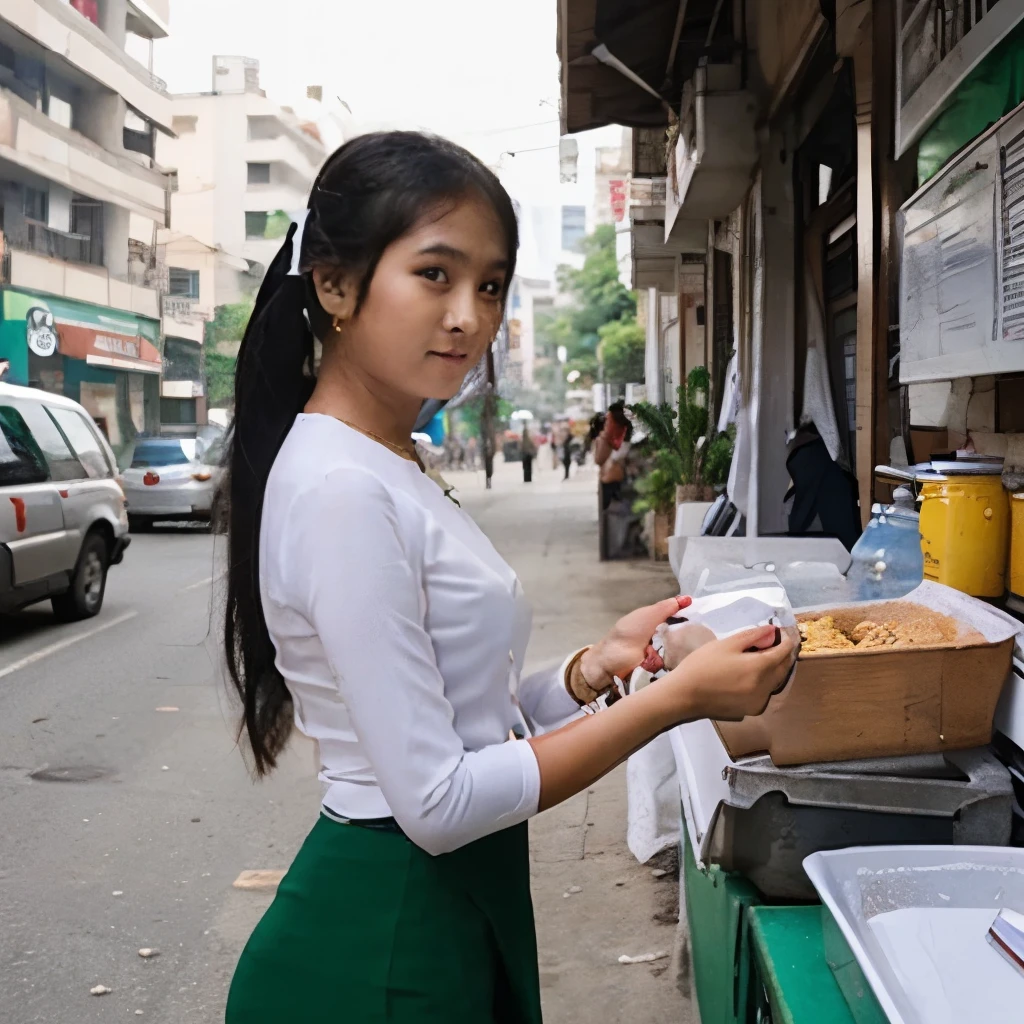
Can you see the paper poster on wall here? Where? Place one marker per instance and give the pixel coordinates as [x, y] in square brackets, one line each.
[962, 268]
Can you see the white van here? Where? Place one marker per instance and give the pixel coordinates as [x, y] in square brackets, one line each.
[63, 520]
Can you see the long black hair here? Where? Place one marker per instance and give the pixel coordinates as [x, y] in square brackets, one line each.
[371, 192]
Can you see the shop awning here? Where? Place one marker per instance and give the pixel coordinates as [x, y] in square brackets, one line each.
[661, 41]
[99, 336]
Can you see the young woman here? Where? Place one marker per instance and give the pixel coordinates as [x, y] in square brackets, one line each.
[367, 610]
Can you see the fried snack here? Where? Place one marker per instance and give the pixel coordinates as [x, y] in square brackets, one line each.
[822, 635]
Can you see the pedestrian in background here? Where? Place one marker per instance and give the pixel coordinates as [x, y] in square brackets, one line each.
[528, 448]
[567, 450]
[368, 610]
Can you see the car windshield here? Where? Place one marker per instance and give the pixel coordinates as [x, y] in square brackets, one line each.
[168, 452]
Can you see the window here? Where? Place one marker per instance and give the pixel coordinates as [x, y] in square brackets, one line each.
[83, 440]
[138, 136]
[256, 224]
[58, 110]
[36, 204]
[258, 174]
[574, 226]
[177, 411]
[21, 461]
[183, 360]
[59, 457]
[263, 126]
[183, 282]
[163, 452]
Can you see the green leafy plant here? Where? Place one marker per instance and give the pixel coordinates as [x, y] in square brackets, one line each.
[657, 488]
[676, 431]
[718, 459]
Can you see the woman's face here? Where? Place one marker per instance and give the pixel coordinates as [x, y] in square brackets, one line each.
[433, 306]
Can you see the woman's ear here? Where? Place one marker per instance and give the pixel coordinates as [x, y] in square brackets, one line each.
[336, 293]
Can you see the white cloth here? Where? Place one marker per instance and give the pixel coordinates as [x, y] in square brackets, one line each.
[819, 408]
[401, 634]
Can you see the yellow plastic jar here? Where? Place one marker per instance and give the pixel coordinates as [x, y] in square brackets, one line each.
[1017, 545]
[965, 533]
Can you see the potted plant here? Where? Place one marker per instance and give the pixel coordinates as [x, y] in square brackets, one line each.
[684, 460]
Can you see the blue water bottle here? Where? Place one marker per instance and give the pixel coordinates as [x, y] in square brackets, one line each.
[887, 560]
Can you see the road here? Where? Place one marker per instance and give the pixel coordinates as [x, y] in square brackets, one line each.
[128, 811]
[125, 823]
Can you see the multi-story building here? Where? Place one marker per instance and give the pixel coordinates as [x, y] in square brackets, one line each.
[81, 198]
[244, 164]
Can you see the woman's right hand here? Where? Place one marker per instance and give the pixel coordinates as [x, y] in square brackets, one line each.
[727, 679]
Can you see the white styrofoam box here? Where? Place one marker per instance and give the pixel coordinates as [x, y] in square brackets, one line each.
[916, 919]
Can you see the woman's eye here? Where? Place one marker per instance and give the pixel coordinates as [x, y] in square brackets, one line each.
[435, 274]
[492, 288]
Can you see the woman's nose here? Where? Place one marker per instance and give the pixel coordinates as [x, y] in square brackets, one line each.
[462, 315]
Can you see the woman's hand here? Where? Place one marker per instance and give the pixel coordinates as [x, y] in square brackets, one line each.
[727, 679]
[627, 644]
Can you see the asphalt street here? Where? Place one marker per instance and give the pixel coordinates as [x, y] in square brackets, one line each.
[127, 808]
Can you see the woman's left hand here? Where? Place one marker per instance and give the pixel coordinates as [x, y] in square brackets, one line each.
[628, 644]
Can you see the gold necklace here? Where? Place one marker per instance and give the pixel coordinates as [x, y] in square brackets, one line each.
[399, 450]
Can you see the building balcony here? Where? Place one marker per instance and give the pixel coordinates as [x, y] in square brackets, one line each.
[36, 144]
[32, 236]
[35, 272]
[283, 150]
[184, 318]
[149, 18]
[269, 198]
[940, 42]
[75, 46]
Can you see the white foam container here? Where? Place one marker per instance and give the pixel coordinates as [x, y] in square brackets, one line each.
[859, 883]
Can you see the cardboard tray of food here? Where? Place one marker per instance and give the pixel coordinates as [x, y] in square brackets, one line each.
[919, 675]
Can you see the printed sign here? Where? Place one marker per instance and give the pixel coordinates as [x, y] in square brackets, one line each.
[116, 346]
[617, 192]
[41, 333]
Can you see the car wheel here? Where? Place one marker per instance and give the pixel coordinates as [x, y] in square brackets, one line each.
[139, 524]
[84, 598]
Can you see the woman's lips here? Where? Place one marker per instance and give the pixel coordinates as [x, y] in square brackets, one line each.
[450, 357]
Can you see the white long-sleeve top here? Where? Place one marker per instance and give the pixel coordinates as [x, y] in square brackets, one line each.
[401, 633]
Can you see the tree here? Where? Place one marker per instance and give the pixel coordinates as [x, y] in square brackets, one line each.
[598, 298]
[220, 349]
[621, 351]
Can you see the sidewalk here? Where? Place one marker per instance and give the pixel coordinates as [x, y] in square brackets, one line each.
[548, 532]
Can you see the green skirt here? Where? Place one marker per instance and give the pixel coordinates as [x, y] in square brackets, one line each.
[366, 927]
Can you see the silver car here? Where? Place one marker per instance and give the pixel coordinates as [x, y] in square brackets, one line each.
[172, 479]
[62, 512]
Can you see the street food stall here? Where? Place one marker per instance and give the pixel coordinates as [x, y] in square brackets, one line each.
[899, 738]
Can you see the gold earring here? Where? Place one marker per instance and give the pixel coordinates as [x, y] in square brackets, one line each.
[336, 324]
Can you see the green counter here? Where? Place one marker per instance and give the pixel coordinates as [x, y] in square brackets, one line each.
[755, 964]
[799, 986]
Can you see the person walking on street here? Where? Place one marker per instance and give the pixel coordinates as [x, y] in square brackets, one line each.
[528, 448]
[567, 452]
[559, 435]
[367, 609]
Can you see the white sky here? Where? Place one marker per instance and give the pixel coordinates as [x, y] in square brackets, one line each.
[474, 70]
